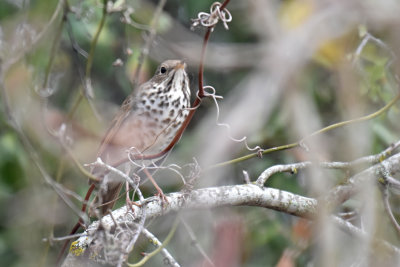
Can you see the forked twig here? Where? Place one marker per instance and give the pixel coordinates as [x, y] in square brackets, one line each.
[294, 167]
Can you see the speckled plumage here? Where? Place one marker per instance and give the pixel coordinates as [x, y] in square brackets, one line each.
[147, 121]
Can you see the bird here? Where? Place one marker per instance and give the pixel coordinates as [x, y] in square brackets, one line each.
[146, 123]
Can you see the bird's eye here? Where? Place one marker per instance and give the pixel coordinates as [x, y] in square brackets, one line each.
[163, 70]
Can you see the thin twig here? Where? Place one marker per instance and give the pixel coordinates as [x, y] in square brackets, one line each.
[388, 209]
[372, 159]
[87, 82]
[169, 260]
[93, 45]
[63, 238]
[44, 88]
[53, 51]
[75, 160]
[99, 162]
[195, 242]
[139, 227]
[159, 245]
[300, 142]
[146, 48]
[39, 36]
[392, 182]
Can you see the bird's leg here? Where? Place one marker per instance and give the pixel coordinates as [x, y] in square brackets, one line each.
[130, 202]
[160, 193]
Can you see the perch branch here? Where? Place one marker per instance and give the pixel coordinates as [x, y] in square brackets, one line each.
[206, 198]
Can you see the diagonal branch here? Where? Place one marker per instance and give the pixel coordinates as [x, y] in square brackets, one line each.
[206, 198]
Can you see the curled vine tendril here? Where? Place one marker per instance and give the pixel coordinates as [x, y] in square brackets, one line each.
[211, 19]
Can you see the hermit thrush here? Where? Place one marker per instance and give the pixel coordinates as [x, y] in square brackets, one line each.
[146, 123]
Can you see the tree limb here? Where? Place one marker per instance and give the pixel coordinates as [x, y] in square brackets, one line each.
[206, 198]
[236, 195]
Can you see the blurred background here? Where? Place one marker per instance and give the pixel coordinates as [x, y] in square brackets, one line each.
[285, 69]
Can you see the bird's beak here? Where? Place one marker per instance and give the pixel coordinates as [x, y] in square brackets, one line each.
[181, 65]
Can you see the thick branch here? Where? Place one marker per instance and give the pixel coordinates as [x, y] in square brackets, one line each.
[237, 195]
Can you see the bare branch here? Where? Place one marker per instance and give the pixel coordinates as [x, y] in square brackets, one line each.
[154, 240]
[373, 159]
[342, 193]
[386, 205]
[238, 195]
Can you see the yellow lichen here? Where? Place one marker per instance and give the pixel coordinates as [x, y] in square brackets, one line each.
[75, 249]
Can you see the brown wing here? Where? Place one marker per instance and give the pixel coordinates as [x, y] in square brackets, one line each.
[115, 126]
[109, 198]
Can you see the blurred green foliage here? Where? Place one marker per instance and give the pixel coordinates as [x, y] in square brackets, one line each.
[13, 167]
